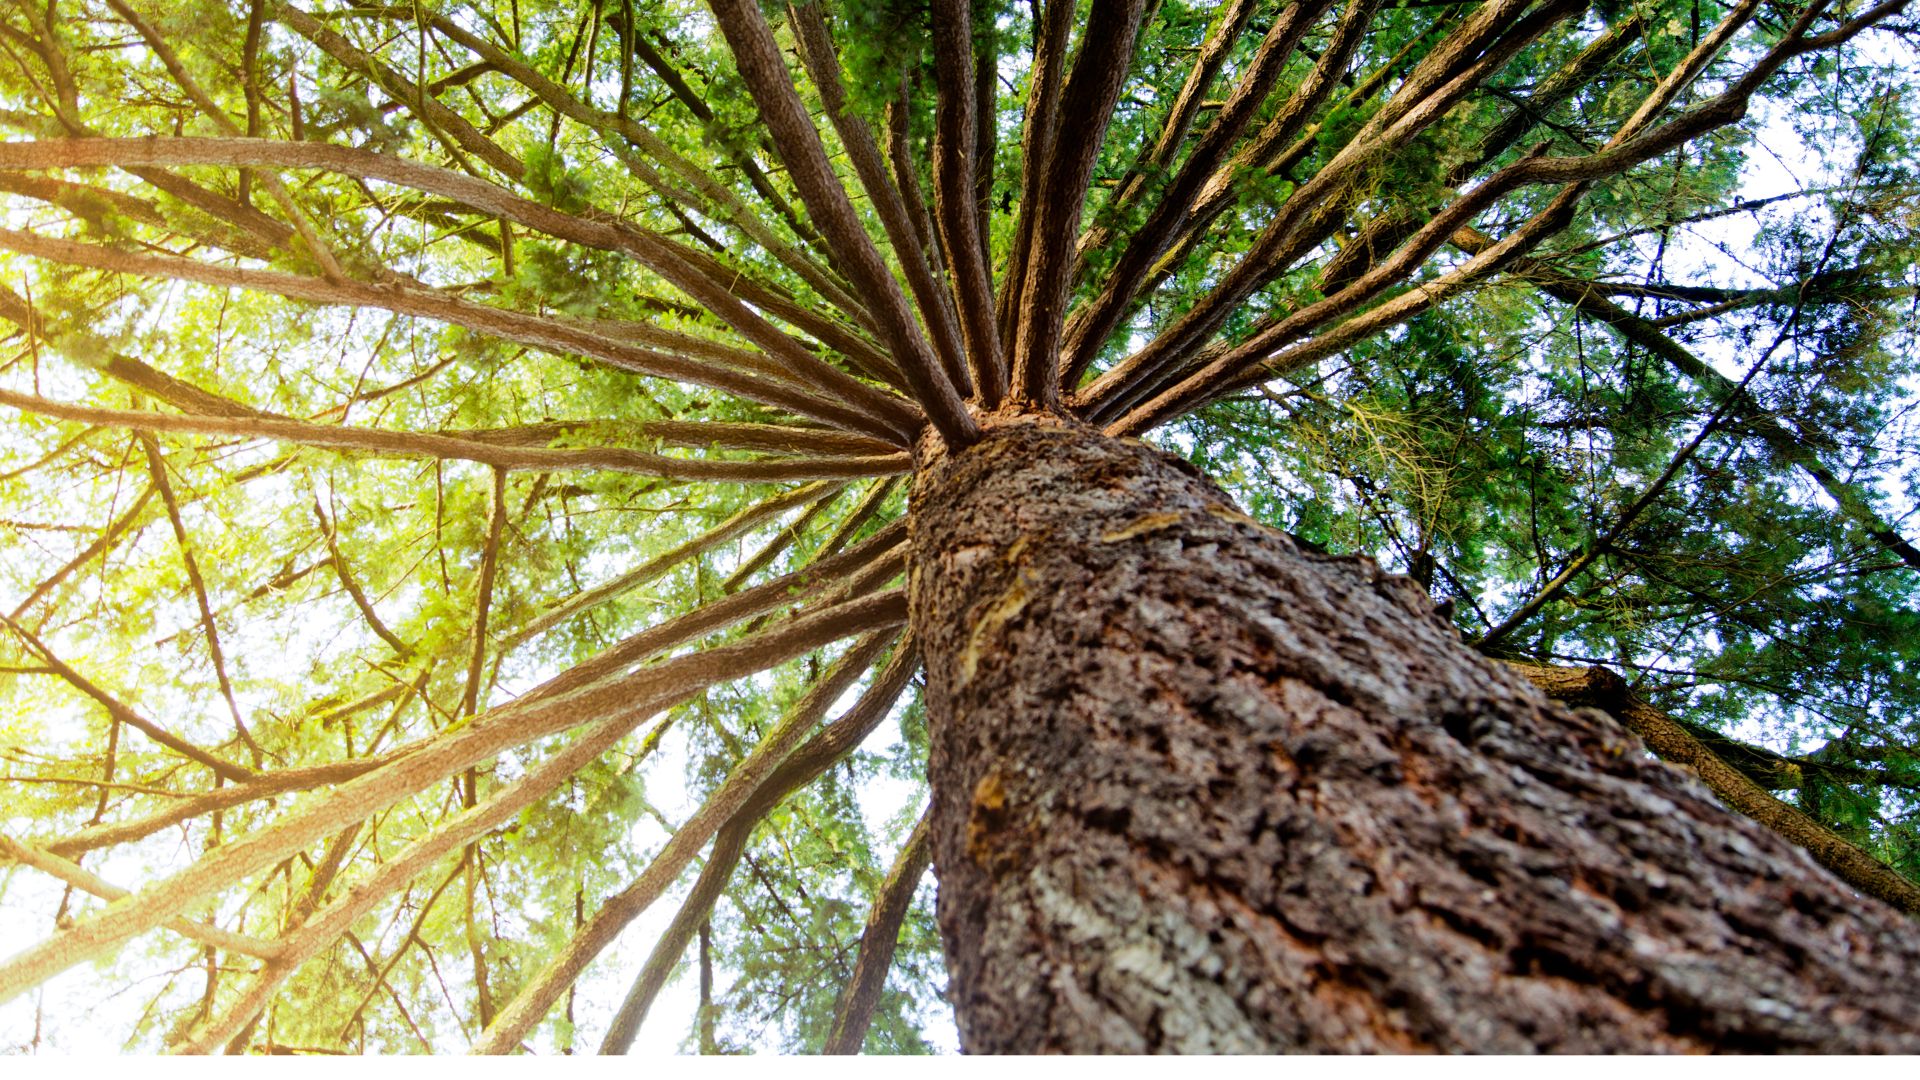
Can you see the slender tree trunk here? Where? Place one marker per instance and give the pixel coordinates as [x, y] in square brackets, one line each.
[1198, 789]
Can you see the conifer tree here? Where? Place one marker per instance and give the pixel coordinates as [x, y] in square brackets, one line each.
[1314, 525]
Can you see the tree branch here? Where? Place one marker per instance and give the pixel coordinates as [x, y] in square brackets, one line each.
[1602, 689]
[451, 448]
[158, 470]
[537, 997]
[624, 700]
[1106, 52]
[765, 72]
[854, 1012]
[73, 874]
[823, 64]
[801, 768]
[955, 195]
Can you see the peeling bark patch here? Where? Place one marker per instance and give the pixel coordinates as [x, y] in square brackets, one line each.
[998, 612]
[1228, 513]
[988, 817]
[1198, 789]
[1139, 527]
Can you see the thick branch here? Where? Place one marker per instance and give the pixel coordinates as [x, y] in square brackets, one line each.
[935, 308]
[632, 697]
[765, 72]
[855, 1009]
[1602, 689]
[533, 1002]
[1466, 58]
[687, 272]
[813, 757]
[446, 447]
[1095, 323]
[1106, 52]
[954, 195]
[700, 179]
[73, 874]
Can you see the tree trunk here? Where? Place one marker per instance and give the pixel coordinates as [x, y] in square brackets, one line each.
[1198, 789]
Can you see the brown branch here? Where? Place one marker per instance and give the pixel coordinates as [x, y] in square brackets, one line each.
[1096, 321]
[782, 540]
[854, 1012]
[986, 135]
[650, 570]
[407, 940]
[336, 919]
[359, 596]
[1051, 26]
[124, 713]
[1238, 368]
[624, 700]
[1175, 126]
[155, 41]
[1577, 172]
[876, 496]
[550, 334]
[1435, 85]
[445, 447]
[96, 205]
[322, 876]
[1092, 90]
[264, 786]
[693, 913]
[823, 64]
[1600, 688]
[1388, 230]
[701, 435]
[798, 770]
[825, 556]
[703, 185]
[699, 278]
[884, 550]
[1257, 158]
[762, 66]
[531, 1004]
[114, 531]
[756, 176]
[439, 119]
[835, 335]
[483, 599]
[906, 174]
[955, 196]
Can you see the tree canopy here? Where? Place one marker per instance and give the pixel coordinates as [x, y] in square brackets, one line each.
[457, 456]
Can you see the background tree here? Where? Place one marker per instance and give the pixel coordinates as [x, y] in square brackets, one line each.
[459, 471]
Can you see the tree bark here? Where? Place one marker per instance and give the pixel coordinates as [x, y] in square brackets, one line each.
[1198, 789]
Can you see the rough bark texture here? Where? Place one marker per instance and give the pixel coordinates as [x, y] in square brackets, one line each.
[1198, 789]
